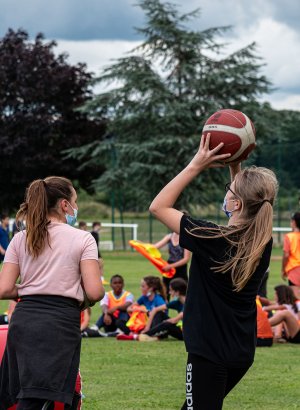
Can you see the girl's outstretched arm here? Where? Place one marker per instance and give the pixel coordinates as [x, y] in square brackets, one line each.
[234, 169]
[162, 205]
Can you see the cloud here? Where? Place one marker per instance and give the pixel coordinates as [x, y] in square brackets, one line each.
[279, 46]
[96, 53]
[72, 19]
[116, 19]
[285, 101]
[280, 70]
[95, 31]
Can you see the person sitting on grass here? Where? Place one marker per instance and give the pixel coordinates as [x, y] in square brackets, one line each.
[114, 306]
[264, 333]
[291, 325]
[284, 300]
[5, 318]
[153, 296]
[171, 326]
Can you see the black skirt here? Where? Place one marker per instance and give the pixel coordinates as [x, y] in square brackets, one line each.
[42, 354]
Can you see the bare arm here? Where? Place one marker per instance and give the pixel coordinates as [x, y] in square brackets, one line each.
[107, 318]
[151, 316]
[123, 307]
[234, 169]
[285, 259]
[274, 306]
[86, 319]
[176, 319]
[104, 309]
[162, 242]
[8, 277]
[135, 307]
[91, 278]
[162, 205]
[183, 261]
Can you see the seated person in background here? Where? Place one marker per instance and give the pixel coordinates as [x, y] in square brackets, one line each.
[87, 331]
[114, 305]
[291, 325]
[284, 300]
[153, 296]
[5, 318]
[264, 330]
[170, 326]
[85, 318]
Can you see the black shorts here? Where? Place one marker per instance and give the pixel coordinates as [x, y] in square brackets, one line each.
[295, 339]
[261, 342]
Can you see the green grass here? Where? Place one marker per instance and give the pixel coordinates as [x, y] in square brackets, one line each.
[140, 376]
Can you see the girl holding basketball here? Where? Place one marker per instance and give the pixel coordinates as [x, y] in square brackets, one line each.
[58, 270]
[227, 266]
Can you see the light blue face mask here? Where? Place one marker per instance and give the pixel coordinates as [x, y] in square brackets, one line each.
[224, 208]
[71, 219]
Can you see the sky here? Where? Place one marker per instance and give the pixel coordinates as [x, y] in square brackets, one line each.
[97, 31]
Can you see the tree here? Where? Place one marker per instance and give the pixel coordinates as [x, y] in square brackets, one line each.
[39, 95]
[166, 89]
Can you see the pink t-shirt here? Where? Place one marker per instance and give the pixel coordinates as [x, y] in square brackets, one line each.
[56, 271]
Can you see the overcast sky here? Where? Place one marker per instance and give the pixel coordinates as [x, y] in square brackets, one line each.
[95, 31]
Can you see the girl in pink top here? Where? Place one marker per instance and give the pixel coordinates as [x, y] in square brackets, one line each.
[58, 274]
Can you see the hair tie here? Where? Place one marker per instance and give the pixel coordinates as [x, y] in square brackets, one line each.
[265, 200]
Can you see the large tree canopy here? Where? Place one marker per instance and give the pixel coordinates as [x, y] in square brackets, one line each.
[160, 96]
[39, 95]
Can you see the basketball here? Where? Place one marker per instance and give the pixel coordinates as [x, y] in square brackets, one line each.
[235, 130]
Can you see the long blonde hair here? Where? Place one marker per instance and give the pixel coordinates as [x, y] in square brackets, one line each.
[256, 188]
[41, 198]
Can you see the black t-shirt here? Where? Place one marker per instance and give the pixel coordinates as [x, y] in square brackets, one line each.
[219, 323]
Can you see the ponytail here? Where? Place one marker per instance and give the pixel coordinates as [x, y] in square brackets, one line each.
[156, 284]
[256, 188]
[40, 199]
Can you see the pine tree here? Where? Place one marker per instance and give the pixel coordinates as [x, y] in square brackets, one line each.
[162, 93]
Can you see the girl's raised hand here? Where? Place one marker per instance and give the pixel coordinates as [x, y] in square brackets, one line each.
[208, 158]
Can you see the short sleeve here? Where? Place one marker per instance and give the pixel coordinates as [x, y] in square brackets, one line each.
[104, 301]
[11, 254]
[90, 250]
[159, 301]
[130, 298]
[286, 244]
[189, 231]
[141, 300]
[172, 305]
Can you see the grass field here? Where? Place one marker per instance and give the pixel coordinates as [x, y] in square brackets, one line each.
[140, 376]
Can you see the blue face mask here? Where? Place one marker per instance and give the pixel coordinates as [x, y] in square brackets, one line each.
[224, 208]
[71, 219]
